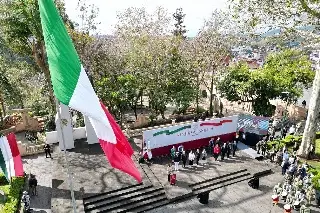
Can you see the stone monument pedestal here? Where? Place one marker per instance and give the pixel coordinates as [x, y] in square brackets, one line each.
[66, 128]
[91, 135]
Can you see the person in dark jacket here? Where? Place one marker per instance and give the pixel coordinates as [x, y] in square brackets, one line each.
[47, 150]
[211, 145]
[33, 183]
[234, 148]
[223, 150]
[198, 156]
[263, 148]
[184, 159]
[229, 148]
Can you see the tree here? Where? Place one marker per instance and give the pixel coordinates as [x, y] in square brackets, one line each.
[9, 93]
[141, 38]
[181, 89]
[180, 29]
[119, 90]
[288, 15]
[21, 30]
[210, 49]
[288, 71]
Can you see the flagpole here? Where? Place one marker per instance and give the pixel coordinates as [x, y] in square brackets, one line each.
[66, 158]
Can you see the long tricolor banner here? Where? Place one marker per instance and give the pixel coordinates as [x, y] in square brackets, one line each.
[10, 159]
[172, 135]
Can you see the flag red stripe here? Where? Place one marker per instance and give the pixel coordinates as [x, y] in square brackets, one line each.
[17, 161]
[119, 154]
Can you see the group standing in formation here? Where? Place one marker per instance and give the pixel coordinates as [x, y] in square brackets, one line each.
[296, 190]
[216, 148]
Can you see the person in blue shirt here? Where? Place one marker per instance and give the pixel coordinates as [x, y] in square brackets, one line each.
[285, 156]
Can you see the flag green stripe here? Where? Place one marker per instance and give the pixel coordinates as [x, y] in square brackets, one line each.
[64, 63]
[3, 165]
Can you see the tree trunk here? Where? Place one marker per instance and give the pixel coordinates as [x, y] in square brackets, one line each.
[135, 109]
[1, 116]
[162, 114]
[211, 96]
[310, 129]
[121, 120]
[3, 107]
[197, 96]
[40, 58]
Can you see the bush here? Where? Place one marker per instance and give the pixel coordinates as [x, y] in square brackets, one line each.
[3, 179]
[13, 192]
[315, 182]
[278, 143]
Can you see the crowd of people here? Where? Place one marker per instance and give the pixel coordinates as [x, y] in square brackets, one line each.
[296, 190]
[216, 148]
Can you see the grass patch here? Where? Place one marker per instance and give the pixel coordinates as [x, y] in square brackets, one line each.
[13, 192]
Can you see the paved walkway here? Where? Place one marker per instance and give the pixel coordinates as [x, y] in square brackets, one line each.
[94, 176]
[40, 166]
[238, 198]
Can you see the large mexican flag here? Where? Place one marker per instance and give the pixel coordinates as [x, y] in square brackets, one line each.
[72, 87]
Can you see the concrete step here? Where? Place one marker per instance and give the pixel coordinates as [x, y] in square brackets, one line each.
[161, 201]
[117, 201]
[222, 183]
[217, 178]
[151, 176]
[131, 203]
[93, 200]
[144, 205]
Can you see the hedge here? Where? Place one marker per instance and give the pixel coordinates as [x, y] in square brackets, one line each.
[13, 192]
[288, 141]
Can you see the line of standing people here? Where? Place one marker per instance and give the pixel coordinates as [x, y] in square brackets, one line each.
[222, 149]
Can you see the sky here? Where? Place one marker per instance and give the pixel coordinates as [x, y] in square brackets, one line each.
[196, 11]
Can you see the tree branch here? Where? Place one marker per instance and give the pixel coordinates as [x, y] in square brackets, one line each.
[308, 9]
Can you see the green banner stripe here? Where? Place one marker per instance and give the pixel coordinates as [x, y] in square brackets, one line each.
[167, 132]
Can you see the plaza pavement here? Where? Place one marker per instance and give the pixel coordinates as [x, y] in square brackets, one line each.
[92, 174]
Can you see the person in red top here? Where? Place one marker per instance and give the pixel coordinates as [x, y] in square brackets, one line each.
[216, 151]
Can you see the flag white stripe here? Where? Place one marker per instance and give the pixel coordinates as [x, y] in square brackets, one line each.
[7, 155]
[85, 100]
[8, 149]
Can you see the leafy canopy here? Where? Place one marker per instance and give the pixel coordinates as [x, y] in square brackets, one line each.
[284, 76]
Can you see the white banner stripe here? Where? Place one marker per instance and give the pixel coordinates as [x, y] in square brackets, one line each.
[10, 157]
[6, 158]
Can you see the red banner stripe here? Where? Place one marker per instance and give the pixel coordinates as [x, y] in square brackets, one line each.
[216, 124]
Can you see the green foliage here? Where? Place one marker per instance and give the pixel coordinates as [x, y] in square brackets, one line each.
[119, 91]
[13, 192]
[50, 124]
[288, 141]
[80, 120]
[317, 146]
[3, 179]
[288, 71]
[316, 182]
[181, 91]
